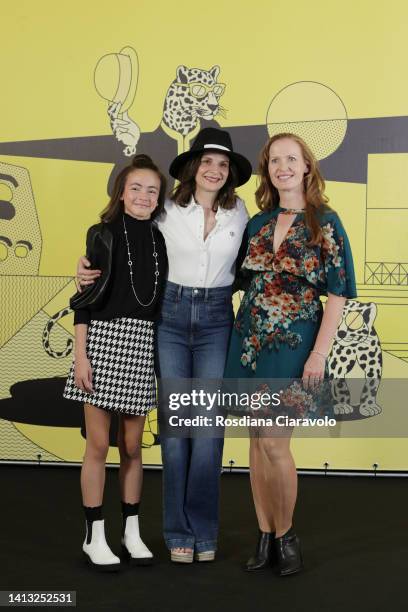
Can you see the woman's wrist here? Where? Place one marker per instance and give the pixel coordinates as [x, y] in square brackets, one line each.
[319, 353]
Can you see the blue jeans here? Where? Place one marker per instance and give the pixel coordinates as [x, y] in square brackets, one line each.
[192, 342]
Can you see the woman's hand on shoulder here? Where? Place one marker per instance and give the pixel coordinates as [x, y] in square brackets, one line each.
[85, 275]
[83, 373]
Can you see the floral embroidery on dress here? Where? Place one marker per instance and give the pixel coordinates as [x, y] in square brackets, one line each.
[297, 398]
[298, 402]
[269, 307]
[333, 251]
[285, 286]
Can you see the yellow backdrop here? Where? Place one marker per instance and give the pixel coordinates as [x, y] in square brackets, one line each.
[332, 71]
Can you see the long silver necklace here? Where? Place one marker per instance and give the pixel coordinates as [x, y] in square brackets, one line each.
[130, 264]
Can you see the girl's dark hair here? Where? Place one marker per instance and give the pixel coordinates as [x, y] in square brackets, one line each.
[183, 192]
[267, 196]
[115, 205]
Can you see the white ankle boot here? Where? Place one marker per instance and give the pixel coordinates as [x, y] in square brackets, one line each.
[133, 546]
[97, 551]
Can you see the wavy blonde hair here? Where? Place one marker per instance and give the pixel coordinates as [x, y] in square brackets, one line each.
[267, 196]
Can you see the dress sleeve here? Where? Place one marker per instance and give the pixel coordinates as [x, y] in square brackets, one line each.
[337, 259]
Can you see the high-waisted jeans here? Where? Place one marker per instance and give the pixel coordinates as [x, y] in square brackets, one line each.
[192, 342]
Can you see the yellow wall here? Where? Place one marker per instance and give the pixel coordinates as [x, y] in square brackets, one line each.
[356, 49]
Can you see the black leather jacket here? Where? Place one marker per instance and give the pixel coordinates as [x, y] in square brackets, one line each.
[99, 246]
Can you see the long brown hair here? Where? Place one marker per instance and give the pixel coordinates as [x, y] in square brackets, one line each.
[267, 196]
[115, 205]
[183, 192]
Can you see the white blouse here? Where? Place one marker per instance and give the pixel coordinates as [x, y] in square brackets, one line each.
[193, 261]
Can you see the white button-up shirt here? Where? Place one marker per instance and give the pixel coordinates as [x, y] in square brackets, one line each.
[193, 261]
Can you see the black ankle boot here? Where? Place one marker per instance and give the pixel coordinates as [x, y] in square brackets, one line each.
[264, 553]
[288, 553]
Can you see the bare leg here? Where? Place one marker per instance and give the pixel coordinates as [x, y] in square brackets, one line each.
[260, 486]
[130, 479]
[131, 469]
[97, 423]
[274, 478]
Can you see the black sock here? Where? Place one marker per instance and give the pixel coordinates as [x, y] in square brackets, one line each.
[128, 510]
[91, 514]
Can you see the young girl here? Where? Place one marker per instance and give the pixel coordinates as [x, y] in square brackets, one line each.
[297, 250]
[114, 345]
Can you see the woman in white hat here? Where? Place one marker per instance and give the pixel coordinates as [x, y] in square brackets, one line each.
[203, 226]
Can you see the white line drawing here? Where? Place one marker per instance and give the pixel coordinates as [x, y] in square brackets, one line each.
[116, 78]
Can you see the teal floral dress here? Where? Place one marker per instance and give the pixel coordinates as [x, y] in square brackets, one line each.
[280, 313]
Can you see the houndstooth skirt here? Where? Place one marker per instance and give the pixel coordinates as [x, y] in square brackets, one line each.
[121, 352]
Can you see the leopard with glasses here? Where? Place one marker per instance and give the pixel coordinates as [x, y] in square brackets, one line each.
[193, 95]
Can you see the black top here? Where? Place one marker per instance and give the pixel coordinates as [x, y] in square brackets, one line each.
[119, 299]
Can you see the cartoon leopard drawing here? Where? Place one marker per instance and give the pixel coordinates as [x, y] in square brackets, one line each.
[193, 95]
[47, 333]
[356, 342]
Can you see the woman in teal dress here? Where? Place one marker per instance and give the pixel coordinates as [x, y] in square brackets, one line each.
[296, 250]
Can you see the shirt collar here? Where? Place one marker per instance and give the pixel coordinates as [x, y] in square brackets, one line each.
[193, 207]
[223, 212]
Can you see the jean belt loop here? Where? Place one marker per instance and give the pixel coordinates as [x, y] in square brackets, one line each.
[179, 292]
[206, 290]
